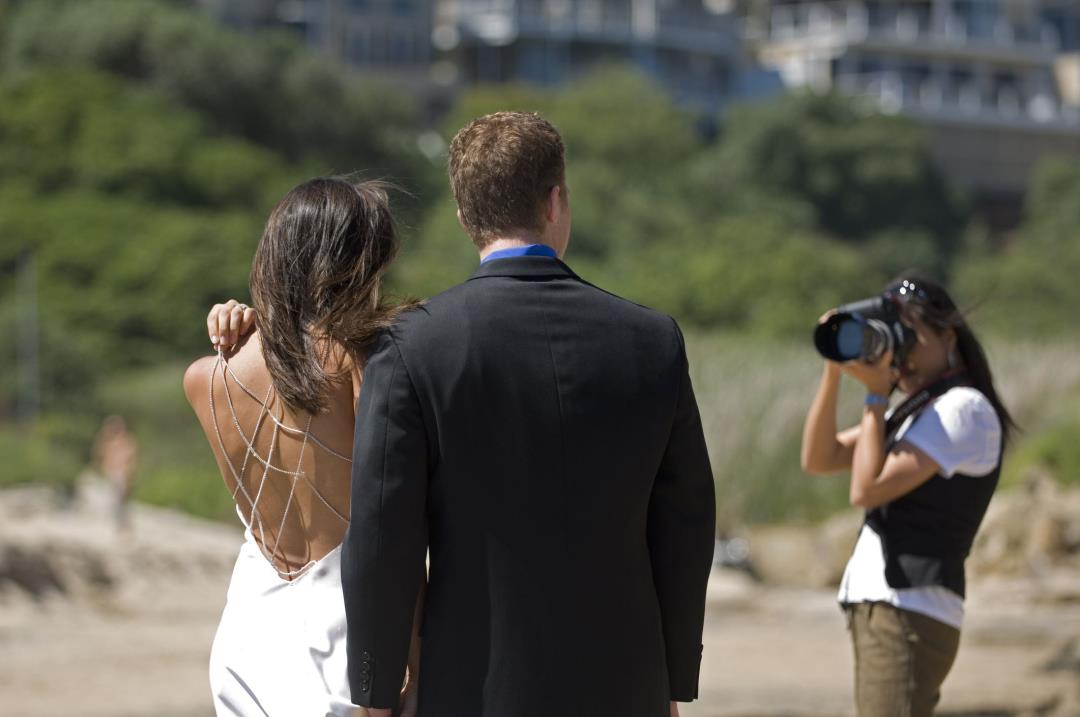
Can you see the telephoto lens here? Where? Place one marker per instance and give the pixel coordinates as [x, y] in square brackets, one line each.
[864, 330]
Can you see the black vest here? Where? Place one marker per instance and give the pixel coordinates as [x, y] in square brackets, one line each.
[927, 534]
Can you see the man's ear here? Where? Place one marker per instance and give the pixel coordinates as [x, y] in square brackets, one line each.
[554, 207]
[460, 221]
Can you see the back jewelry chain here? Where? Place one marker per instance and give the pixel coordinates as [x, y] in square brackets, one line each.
[254, 519]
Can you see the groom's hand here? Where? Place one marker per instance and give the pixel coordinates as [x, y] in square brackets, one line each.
[379, 713]
[674, 709]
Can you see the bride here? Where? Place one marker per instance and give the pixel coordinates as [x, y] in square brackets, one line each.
[277, 407]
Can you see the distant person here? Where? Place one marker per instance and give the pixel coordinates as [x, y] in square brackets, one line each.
[541, 438]
[925, 473]
[116, 454]
[277, 406]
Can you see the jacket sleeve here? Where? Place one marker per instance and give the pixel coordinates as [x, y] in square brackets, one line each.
[681, 536]
[385, 545]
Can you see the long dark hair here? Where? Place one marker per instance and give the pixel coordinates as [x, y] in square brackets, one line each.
[932, 304]
[316, 279]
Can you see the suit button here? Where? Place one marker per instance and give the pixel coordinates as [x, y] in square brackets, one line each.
[365, 655]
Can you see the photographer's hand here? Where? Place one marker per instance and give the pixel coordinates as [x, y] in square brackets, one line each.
[878, 476]
[878, 377]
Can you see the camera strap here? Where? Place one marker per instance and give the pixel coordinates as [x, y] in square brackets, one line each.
[919, 400]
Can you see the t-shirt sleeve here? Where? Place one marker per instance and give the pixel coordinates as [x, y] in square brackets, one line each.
[960, 431]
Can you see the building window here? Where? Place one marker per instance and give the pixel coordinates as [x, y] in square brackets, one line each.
[401, 48]
[357, 48]
[532, 63]
[377, 53]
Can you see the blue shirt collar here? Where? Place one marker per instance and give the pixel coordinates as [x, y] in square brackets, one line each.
[530, 250]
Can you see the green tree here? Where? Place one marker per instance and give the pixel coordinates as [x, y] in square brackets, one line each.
[862, 175]
[744, 272]
[85, 129]
[1029, 287]
[121, 284]
[264, 88]
[141, 147]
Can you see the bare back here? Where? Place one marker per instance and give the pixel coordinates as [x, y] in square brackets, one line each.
[289, 472]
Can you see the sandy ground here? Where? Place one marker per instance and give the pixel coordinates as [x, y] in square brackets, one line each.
[131, 636]
[786, 652]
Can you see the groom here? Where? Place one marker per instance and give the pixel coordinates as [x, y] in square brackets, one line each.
[540, 437]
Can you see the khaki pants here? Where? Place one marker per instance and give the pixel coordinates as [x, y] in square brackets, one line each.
[901, 659]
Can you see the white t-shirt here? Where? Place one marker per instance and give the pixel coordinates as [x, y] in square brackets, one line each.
[961, 431]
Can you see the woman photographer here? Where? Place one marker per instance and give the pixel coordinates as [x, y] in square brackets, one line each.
[924, 473]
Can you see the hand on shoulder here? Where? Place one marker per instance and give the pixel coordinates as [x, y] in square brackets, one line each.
[227, 323]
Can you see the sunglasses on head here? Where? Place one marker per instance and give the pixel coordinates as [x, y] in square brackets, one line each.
[908, 290]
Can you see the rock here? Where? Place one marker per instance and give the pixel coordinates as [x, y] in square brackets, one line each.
[28, 501]
[1045, 538]
[28, 571]
[51, 556]
[804, 556]
[732, 589]
[838, 536]
[1029, 531]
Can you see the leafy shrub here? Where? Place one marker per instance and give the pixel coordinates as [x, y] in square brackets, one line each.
[52, 451]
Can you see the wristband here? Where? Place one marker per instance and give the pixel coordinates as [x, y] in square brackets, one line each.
[875, 399]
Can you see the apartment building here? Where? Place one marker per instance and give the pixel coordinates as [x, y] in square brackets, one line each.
[996, 82]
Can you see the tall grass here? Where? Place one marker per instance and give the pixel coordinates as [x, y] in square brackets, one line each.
[754, 396]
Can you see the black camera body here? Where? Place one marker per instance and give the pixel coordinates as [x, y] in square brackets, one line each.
[865, 330]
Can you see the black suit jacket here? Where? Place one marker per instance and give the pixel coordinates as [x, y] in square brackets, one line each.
[540, 437]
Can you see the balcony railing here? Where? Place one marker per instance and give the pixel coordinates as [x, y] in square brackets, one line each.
[966, 101]
[851, 21]
[619, 21]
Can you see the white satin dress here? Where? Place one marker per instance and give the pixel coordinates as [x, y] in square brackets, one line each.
[280, 647]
